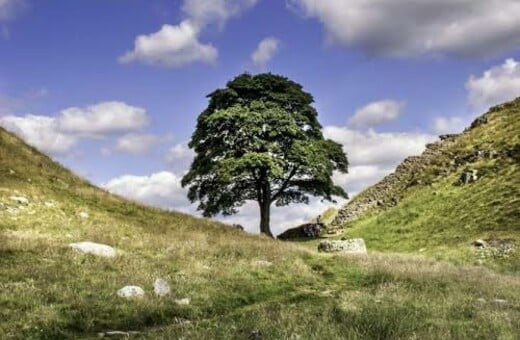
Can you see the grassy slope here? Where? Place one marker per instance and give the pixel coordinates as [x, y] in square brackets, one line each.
[46, 291]
[440, 218]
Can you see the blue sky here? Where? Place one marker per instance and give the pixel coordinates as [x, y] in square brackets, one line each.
[112, 89]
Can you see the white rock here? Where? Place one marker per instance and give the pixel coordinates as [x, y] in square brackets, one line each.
[351, 246]
[19, 199]
[161, 287]
[262, 263]
[129, 292]
[49, 204]
[185, 301]
[83, 215]
[93, 248]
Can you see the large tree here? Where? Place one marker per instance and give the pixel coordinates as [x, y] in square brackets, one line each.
[259, 139]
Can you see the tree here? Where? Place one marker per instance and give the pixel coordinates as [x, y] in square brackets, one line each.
[259, 139]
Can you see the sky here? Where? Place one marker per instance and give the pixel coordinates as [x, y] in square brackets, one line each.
[112, 89]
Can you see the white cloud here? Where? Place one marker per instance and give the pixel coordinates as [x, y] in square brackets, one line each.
[171, 46]
[179, 157]
[102, 119]
[406, 28]
[136, 144]
[41, 132]
[162, 189]
[8, 8]
[179, 45]
[376, 113]
[381, 149]
[444, 125]
[495, 86]
[57, 135]
[265, 51]
[204, 12]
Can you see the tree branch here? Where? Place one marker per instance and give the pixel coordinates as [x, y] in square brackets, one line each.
[285, 184]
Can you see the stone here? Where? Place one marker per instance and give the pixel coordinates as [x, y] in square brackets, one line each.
[308, 230]
[130, 292]
[93, 248]
[481, 300]
[262, 263]
[479, 244]
[19, 200]
[83, 215]
[500, 301]
[183, 302]
[161, 287]
[468, 176]
[351, 246]
[256, 335]
[117, 334]
[49, 204]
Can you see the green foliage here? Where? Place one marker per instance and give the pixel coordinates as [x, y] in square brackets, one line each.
[259, 139]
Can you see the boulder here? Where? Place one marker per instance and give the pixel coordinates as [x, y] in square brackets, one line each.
[130, 292]
[161, 287]
[308, 230]
[351, 246]
[19, 200]
[468, 176]
[93, 248]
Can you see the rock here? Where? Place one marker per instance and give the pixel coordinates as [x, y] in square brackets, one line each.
[352, 246]
[49, 204]
[237, 227]
[481, 300]
[479, 244]
[12, 172]
[161, 287]
[183, 302]
[256, 335]
[500, 301]
[19, 200]
[130, 292]
[309, 230]
[262, 263]
[93, 248]
[468, 176]
[83, 215]
[117, 334]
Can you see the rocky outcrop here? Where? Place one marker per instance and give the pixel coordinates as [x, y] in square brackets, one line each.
[93, 248]
[307, 230]
[439, 159]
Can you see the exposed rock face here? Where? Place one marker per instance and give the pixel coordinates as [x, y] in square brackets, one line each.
[130, 292]
[310, 230]
[353, 246]
[439, 160]
[93, 248]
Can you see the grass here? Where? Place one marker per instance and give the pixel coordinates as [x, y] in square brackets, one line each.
[50, 292]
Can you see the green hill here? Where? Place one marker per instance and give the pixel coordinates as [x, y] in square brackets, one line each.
[225, 284]
[425, 206]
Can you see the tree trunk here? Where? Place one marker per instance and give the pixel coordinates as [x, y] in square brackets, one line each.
[265, 211]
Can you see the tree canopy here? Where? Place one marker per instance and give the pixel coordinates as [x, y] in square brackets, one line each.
[259, 139]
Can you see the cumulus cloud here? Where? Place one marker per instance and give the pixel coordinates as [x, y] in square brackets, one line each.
[406, 28]
[102, 119]
[444, 125]
[376, 113]
[8, 8]
[171, 46]
[498, 84]
[59, 134]
[382, 149]
[179, 45]
[265, 51]
[41, 132]
[136, 144]
[162, 189]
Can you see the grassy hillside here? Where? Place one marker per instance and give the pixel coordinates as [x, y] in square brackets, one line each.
[49, 292]
[423, 208]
